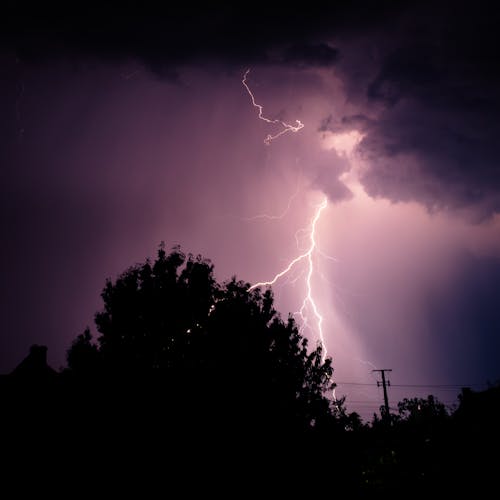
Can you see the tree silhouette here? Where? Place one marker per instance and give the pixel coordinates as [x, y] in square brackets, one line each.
[209, 351]
[83, 356]
[208, 376]
[420, 410]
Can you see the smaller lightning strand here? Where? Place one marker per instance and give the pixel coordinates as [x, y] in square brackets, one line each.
[286, 126]
[275, 217]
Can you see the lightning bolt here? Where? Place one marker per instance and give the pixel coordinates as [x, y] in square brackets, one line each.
[286, 126]
[308, 258]
[309, 311]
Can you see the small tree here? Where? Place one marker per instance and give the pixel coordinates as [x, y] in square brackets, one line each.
[421, 410]
[83, 356]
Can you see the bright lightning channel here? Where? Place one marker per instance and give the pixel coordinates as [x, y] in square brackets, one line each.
[308, 257]
[286, 126]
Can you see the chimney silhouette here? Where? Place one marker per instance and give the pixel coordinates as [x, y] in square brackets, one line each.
[35, 364]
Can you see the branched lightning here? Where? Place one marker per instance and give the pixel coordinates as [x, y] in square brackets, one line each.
[309, 311]
[308, 257]
[286, 126]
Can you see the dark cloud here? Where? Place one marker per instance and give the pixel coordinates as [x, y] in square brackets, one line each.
[321, 55]
[446, 160]
[425, 75]
[163, 37]
[433, 84]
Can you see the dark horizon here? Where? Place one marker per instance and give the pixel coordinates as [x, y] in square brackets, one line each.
[198, 377]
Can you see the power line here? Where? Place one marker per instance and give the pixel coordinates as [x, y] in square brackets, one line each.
[428, 388]
[437, 386]
[354, 383]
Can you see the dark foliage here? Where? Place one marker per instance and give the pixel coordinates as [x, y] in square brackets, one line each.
[205, 355]
[192, 378]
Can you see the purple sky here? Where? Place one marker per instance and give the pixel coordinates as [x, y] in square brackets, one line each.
[109, 147]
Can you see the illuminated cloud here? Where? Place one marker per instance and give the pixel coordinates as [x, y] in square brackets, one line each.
[344, 143]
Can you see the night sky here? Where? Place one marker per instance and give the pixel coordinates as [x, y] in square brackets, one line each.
[128, 125]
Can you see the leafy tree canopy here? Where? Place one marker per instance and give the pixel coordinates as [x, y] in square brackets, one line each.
[223, 346]
[421, 409]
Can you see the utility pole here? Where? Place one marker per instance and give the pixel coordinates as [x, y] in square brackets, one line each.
[384, 385]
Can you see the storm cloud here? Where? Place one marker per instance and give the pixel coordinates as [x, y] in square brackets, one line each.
[429, 90]
[427, 72]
